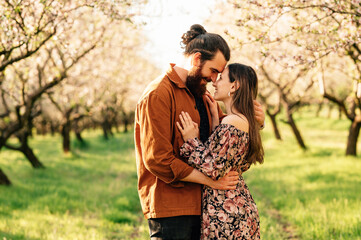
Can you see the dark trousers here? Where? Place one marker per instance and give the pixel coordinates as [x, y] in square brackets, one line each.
[171, 228]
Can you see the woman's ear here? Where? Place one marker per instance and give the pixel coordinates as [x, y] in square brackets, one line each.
[196, 59]
[234, 87]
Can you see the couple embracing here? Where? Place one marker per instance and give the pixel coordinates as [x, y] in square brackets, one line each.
[190, 155]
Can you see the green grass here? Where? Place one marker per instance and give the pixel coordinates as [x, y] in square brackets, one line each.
[88, 194]
[318, 191]
[91, 193]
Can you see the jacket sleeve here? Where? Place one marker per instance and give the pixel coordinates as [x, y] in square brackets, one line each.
[156, 131]
[215, 158]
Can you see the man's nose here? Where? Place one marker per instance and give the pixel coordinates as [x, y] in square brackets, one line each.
[214, 77]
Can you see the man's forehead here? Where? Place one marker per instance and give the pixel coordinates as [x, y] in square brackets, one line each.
[217, 64]
[217, 69]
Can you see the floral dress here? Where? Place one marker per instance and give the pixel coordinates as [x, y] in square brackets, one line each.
[226, 214]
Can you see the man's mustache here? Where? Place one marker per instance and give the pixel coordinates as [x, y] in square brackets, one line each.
[207, 79]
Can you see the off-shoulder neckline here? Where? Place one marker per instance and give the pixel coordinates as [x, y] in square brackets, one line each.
[230, 125]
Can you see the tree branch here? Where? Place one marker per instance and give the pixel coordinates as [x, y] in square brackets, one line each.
[323, 6]
[340, 103]
[27, 54]
[55, 103]
[22, 24]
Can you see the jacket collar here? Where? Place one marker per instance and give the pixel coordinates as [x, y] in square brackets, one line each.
[174, 77]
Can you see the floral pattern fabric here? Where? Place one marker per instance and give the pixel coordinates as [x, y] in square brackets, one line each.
[226, 214]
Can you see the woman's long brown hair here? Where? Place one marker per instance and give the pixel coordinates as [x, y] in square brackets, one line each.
[247, 83]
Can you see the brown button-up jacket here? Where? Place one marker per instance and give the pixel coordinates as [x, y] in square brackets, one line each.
[157, 141]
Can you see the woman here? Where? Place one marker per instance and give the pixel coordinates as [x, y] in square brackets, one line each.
[234, 144]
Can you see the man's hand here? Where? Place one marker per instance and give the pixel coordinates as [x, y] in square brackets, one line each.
[228, 182]
[259, 113]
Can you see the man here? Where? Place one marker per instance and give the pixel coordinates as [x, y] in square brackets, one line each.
[169, 189]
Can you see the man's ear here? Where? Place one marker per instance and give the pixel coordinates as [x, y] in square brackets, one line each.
[196, 59]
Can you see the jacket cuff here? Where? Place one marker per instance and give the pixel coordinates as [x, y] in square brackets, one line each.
[180, 170]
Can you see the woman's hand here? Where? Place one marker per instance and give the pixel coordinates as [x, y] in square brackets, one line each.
[188, 129]
[213, 108]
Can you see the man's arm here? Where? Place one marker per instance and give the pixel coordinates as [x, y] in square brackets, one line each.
[228, 182]
[155, 141]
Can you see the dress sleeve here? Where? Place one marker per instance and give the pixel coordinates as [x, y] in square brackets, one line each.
[218, 155]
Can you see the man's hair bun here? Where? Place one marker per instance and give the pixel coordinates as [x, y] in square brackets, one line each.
[193, 32]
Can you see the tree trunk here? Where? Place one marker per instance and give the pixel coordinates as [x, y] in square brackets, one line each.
[105, 132]
[79, 137]
[77, 129]
[110, 130]
[275, 126]
[65, 133]
[352, 138]
[330, 108]
[26, 150]
[319, 108]
[52, 128]
[107, 129]
[30, 128]
[29, 154]
[4, 180]
[43, 128]
[126, 125]
[116, 125]
[2, 142]
[295, 131]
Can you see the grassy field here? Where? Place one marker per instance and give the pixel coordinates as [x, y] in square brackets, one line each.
[316, 192]
[91, 193]
[88, 194]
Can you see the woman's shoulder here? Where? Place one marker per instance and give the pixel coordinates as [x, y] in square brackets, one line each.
[239, 121]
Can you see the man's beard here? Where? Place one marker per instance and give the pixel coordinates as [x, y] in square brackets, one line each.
[193, 83]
